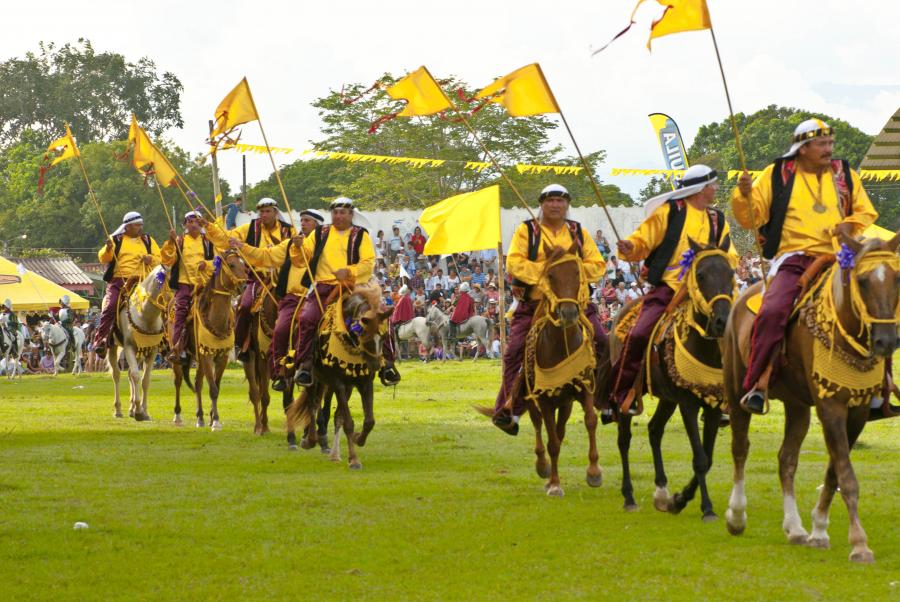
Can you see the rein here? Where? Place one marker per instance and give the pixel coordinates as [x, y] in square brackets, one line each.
[869, 261]
[700, 304]
[551, 299]
[157, 301]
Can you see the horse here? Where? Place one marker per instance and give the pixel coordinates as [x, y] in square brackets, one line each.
[139, 330]
[687, 345]
[12, 362]
[256, 368]
[833, 361]
[55, 338]
[346, 360]
[477, 326]
[417, 328]
[210, 332]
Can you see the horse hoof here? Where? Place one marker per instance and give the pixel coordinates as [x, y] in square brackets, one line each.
[335, 457]
[131, 413]
[216, 426]
[632, 507]
[735, 524]
[325, 449]
[200, 423]
[355, 466]
[543, 469]
[307, 444]
[595, 480]
[264, 430]
[555, 491]
[710, 517]
[822, 543]
[292, 447]
[798, 538]
[864, 556]
[676, 505]
[661, 499]
[177, 420]
[142, 417]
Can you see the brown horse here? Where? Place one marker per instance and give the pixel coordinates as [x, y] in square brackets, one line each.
[210, 336]
[361, 355]
[256, 369]
[698, 322]
[853, 316]
[560, 366]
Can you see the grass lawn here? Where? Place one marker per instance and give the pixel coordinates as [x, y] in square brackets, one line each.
[446, 506]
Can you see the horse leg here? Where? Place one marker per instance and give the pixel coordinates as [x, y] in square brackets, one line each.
[553, 445]
[322, 422]
[796, 425]
[623, 441]
[335, 455]
[214, 368]
[366, 393]
[540, 465]
[262, 370]
[145, 388]
[134, 380]
[594, 474]
[178, 374]
[841, 429]
[655, 431]
[689, 412]
[254, 394]
[343, 395]
[198, 391]
[116, 374]
[736, 515]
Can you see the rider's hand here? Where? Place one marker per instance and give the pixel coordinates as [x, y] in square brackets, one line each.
[235, 243]
[109, 244]
[342, 274]
[147, 259]
[625, 247]
[203, 222]
[297, 240]
[745, 183]
[201, 266]
[173, 235]
[843, 229]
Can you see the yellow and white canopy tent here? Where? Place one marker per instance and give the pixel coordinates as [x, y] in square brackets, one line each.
[31, 292]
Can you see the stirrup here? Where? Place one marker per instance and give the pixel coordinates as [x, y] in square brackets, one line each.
[629, 406]
[765, 395]
[389, 376]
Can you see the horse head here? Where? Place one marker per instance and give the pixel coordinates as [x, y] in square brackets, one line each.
[869, 284]
[231, 269]
[710, 284]
[561, 283]
[364, 313]
[155, 282]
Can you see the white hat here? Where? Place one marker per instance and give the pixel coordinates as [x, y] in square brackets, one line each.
[190, 214]
[8, 304]
[695, 178]
[313, 215]
[342, 201]
[554, 190]
[464, 287]
[266, 202]
[806, 131]
[132, 217]
[403, 290]
[64, 299]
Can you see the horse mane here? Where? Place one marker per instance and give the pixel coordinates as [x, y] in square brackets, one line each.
[371, 292]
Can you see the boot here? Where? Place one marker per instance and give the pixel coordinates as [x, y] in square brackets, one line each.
[389, 375]
[304, 376]
[754, 402]
[506, 422]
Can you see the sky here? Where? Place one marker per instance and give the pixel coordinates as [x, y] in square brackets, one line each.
[836, 57]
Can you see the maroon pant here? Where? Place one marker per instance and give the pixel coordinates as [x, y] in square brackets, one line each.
[311, 314]
[242, 320]
[514, 354]
[771, 321]
[183, 294]
[108, 311]
[286, 308]
[625, 370]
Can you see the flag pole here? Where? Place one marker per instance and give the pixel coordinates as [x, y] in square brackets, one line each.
[91, 192]
[217, 192]
[162, 200]
[501, 285]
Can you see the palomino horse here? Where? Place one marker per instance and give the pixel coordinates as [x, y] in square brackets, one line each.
[346, 359]
[139, 331]
[685, 367]
[417, 328]
[476, 326]
[834, 357]
[57, 341]
[210, 332]
[12, 361]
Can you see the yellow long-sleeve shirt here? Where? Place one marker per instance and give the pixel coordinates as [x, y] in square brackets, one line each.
[130, 260]
[520, 267]
[334, 256]
[191, 256]
[273, 257]
[805, 229]
[652, 231]
[268, 237]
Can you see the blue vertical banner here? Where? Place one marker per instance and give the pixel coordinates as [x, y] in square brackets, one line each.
[670, 142]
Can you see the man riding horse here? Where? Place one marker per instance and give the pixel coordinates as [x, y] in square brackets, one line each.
[129, 255]
[189, 256]
[662, 241]
[526, 262]
[339, 254]
[799, 203]
[66, 316]
[12, 327]
[290, 287]
[463, 309]
[268, 229]
[403, 312]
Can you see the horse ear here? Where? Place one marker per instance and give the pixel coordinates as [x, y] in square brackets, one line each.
[855, 245]
[695, 246]
[894, 242]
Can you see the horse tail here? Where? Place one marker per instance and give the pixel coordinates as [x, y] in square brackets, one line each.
[299, 413]
[484, 411]
[186, 369]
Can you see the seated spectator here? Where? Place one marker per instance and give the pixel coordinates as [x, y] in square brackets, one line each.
[46, 365]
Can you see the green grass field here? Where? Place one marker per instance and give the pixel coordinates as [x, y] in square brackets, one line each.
[446, 506]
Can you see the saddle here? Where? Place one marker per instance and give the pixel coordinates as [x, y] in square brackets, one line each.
[810, 278]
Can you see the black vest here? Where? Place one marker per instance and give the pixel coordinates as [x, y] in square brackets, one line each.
[659, 259]
[534, 243]
[208, 254]
[782, 186]
[117, 241]
[253, 236]
[321, 234]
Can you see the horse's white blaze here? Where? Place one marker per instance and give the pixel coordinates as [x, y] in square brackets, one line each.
[880, 273]
[793, 524]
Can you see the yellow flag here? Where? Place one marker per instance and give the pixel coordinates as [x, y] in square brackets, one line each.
[66, 144]
[236, 108]
[523, 92]
[465, 222]
[147, 155]
[422, 94]
[680, 15]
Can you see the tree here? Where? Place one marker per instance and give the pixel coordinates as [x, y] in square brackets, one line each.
[309, 184]
[94, 93]
[348, 115]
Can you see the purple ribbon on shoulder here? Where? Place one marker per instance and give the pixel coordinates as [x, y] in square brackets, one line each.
[846, 257]
[687, 260]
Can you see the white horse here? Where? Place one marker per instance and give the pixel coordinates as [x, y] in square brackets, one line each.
[418, 328]
[12, 362]
[477, 326]
[140, 315]
[56, 340]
